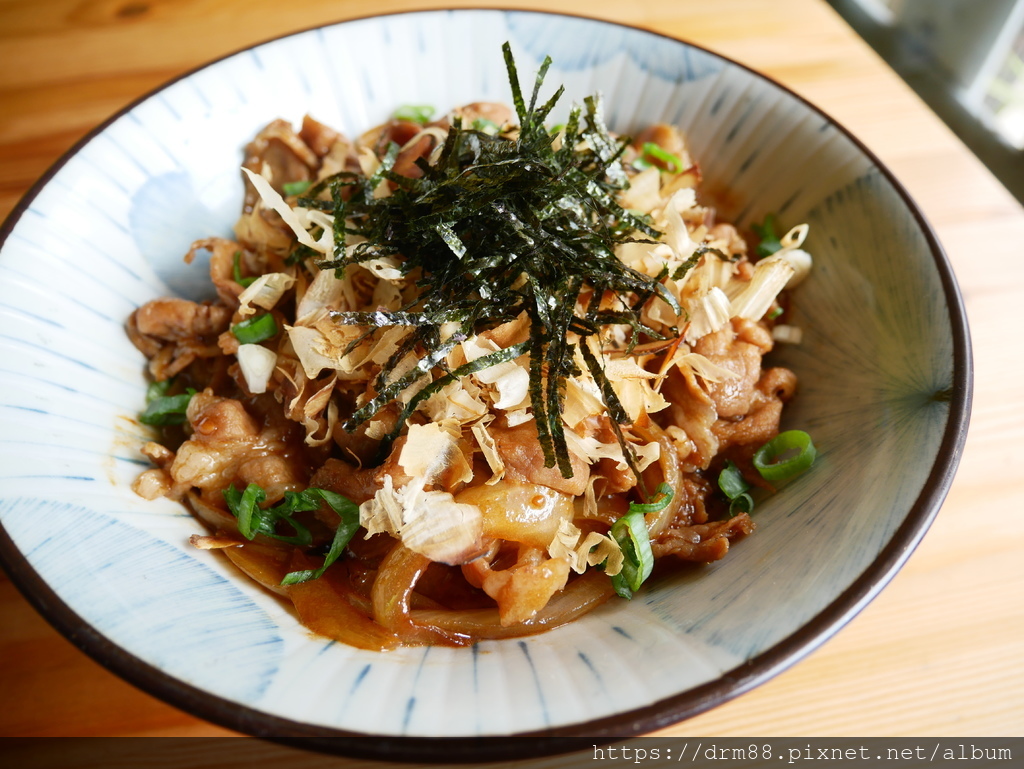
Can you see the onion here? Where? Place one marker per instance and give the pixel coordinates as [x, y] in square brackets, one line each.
[265, 564]
[327, 608]
[668, 463]
[392, 591]
[801, 263]
[218, 518]
[257, 364]
[787, 334]
[578, 598]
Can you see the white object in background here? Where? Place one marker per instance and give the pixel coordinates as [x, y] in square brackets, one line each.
[974, 42]
[882, 11]
[999, 99]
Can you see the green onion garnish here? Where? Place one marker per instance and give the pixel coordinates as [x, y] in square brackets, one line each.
[158, 389]
[237, 272]
[775, 312]
[296, 188]
[414, 113]
[736, 488]
[662, 496]
[486, 126]
[244, 506]
[630, 532]
[769, 237]
[255, 330]
[253, 520]
[650, 152]
[162, 409]
[776, 460]
[348, 512]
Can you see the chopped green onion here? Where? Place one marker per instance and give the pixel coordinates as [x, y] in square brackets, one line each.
[348, 512]
[650, 152]
[769, 237]
[296, 188]
[414, 113]
[776, 460]
[237, 272]
[735, 487]
[744, 503]
[253, 520]
[775, 312]
[244, 506]
[162, 409]
[255, 330]
[731, 480]
[630, 532]
[662, 496]
[486, 126]
[158, 389]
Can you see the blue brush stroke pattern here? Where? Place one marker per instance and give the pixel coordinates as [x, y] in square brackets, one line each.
[585, 44]
[165, 218]
[149, 597]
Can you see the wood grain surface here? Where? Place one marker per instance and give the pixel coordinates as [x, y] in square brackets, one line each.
[939, 653]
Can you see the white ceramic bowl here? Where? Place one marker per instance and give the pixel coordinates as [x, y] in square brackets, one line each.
[884, 369]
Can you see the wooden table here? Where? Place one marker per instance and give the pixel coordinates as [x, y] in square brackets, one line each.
[939, 653]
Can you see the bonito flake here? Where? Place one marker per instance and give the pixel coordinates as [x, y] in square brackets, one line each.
[316, 352]
[592, 450]
[264, 292]
[428, 522]
[299, 220]
[429, 450]
[510, 379]
[489, 449]
[455, 401]
[581, 552]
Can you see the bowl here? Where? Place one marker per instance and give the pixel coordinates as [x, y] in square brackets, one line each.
[884, 367]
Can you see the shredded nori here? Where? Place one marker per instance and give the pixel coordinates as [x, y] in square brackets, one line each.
[497, 225]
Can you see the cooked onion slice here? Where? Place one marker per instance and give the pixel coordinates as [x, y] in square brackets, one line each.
[328, 607]
[392, 592]
[580, 596]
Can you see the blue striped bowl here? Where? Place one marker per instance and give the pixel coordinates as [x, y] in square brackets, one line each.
[885, 390]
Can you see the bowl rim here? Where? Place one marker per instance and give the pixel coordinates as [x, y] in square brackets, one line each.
[656, 715]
